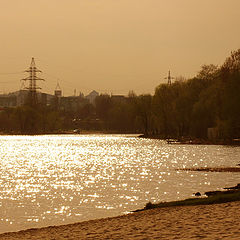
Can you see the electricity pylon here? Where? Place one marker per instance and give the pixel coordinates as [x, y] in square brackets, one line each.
[169, 78]
[32, 78]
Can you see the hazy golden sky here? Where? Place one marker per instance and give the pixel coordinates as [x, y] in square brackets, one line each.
[114, 45]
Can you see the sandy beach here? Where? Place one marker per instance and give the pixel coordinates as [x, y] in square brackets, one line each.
[218, 221]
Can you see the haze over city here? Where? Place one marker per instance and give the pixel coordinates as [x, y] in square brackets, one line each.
[113, 46]
[119, 119]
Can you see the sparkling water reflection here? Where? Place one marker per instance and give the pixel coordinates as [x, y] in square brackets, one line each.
[58, 179]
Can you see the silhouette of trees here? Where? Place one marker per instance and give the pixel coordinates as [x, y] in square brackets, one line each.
[186, 108]
[210, 100]
[143, 108]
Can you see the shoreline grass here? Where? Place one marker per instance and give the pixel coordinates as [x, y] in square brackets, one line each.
[211, 169]
[222, 197]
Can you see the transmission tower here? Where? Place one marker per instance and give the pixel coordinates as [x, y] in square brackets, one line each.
[32, 78]
[169, 78]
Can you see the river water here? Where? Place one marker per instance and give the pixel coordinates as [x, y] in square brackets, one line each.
[59, 179]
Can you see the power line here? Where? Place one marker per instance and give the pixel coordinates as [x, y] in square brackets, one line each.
[33, 78]
[10, 73]
[169, 78]
[7, 82]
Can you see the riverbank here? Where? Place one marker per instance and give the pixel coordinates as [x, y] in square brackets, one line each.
[212, 217]
[72, 132]
[215, 221]
[230, 194]
[31, 164]
[196, 141]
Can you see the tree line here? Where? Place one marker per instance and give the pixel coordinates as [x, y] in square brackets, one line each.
[187, 108]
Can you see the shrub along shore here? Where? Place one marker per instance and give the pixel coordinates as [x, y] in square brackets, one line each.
[229, 194]
[214, 197]
[204, 107]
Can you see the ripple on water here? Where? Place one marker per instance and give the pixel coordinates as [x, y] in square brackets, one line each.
[56, 179]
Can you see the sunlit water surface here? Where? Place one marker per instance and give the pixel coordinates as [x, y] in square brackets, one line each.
[59, 179]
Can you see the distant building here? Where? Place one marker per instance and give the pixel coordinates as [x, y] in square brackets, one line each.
[21, 97]
[92, 96]
[72, 103]
[18, 98]
[58, 91]
[57, 97]
[46, 99]
[8, 100]
[118, 98]
[43, 99]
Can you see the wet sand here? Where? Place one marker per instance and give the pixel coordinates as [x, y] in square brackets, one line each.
[218, 221]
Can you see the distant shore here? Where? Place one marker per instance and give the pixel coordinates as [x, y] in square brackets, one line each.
[233, 142]
[196, 141]
[65, 132]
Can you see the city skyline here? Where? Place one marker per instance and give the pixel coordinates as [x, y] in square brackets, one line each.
[114, 46]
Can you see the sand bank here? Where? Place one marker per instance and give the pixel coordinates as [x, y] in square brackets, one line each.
[218, 221]
[212, 169]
